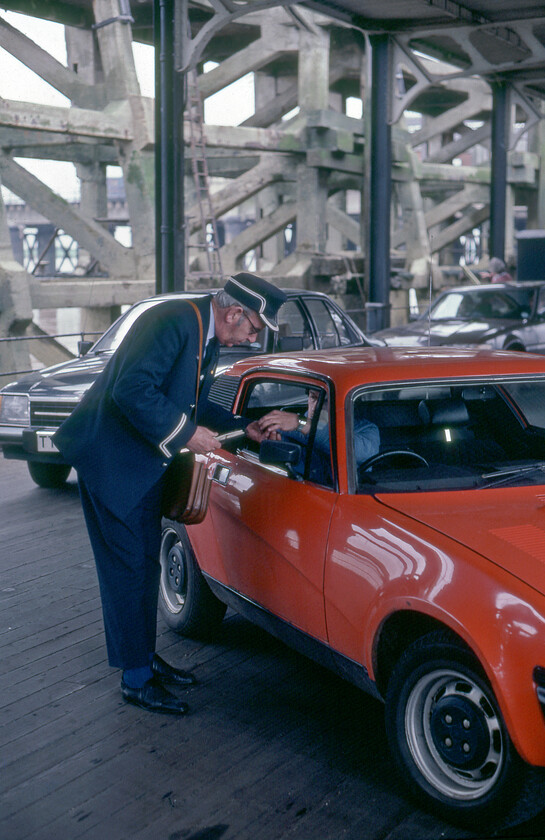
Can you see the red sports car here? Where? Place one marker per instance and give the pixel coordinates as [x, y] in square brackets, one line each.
[393, 528]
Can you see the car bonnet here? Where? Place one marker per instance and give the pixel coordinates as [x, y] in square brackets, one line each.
[505, 525]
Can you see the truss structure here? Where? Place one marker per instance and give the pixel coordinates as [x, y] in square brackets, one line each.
[287, 186]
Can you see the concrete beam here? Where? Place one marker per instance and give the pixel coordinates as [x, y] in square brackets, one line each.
[255, 235]
[90, 235]
[271, 169]
[37, 146]
[115, 45]
[258, 139]
[344, 223]
[113, 123]
[48, 68]
[452, 118]
[277, 41]
[341, 65]
[335, 161]
[76, 292]
[466, 197]
[49, 351]
[137, 160]
[469, 138]
[453, 232]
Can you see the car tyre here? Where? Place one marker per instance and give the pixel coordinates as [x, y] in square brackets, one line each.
[48, 475]
[447, 734]
[186, 602]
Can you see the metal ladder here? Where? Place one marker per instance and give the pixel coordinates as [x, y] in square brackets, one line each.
[209, 229]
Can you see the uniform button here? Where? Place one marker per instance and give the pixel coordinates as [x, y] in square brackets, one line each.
[164, 464]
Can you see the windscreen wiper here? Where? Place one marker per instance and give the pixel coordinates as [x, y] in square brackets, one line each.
[503, 476]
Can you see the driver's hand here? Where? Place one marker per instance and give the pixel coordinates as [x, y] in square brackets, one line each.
[254, 432]
[279, 421]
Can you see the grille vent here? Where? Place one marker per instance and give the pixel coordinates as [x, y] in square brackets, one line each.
[50, 414]
[223, 391]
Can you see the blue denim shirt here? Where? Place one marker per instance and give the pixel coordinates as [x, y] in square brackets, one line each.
[366, 444]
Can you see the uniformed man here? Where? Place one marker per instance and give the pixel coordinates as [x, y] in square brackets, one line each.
[121, 438]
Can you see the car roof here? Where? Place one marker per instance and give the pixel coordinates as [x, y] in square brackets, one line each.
[527, 284]
[195, 293]
[353, 366]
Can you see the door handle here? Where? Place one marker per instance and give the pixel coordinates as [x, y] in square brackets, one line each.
[220, 473]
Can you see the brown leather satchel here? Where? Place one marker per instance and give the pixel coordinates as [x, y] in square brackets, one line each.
[187, 488]
[187, 480]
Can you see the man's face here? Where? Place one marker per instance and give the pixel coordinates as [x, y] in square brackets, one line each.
[237, 327]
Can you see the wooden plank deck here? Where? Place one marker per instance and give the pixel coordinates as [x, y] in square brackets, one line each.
[275, 747]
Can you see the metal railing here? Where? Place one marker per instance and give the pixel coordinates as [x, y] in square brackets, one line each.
[81, 335]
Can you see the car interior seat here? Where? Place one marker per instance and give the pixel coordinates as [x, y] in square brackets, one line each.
[449, 437]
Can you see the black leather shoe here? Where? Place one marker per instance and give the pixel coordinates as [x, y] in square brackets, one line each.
[168, 674]
[154, 698]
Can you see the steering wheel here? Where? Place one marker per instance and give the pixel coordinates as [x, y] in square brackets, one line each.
[394, 453]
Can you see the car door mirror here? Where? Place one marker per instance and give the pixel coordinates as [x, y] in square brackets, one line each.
[280, 453]
[84, 347]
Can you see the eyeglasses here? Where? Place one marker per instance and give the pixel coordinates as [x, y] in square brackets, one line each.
[255, 330]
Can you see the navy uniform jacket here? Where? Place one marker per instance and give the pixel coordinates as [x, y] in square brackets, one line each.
[140, 411]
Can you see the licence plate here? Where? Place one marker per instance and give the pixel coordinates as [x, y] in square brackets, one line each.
[44, 442]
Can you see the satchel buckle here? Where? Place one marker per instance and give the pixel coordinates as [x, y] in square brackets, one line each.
[220, 473]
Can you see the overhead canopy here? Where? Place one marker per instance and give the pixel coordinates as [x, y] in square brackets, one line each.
[497, 40]
[483, 37]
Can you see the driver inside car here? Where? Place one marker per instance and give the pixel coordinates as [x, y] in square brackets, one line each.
[286, 425]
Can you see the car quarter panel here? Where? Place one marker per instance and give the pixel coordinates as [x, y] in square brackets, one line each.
[380, 562]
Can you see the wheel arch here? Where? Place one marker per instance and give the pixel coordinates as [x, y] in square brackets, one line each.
[512, 342]
[396, 633]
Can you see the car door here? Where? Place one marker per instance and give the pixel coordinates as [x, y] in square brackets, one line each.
[271, 529]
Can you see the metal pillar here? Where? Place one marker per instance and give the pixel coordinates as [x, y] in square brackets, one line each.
[169, 155]
[380, 181]
[501, 124]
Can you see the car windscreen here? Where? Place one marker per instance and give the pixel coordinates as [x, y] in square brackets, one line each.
[451, 435]
[483, 304]
[113, 337]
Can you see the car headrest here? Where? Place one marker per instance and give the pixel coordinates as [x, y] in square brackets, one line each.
[443, 412]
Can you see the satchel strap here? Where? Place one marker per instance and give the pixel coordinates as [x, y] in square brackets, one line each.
[199, 320]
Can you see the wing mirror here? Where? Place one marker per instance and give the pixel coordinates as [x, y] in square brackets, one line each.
[84, 347]
[280, 453]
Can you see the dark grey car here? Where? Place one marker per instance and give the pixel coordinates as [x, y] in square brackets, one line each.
[33, 407]
[504, 316]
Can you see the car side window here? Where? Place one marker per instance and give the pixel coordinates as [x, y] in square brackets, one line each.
[332, 330]
[298, 401]
[294, 330]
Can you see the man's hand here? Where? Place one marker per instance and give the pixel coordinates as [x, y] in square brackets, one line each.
[203, 441]
[254, 432]
[278, 421]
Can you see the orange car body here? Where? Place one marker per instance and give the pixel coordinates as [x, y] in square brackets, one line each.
[340, 567]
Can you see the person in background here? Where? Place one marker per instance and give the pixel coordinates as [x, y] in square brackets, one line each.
[139, 413]
[498, 271]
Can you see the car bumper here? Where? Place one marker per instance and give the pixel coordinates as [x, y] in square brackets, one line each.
[27, 444]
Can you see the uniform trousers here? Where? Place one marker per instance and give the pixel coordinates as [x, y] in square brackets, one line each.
[127, 560]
